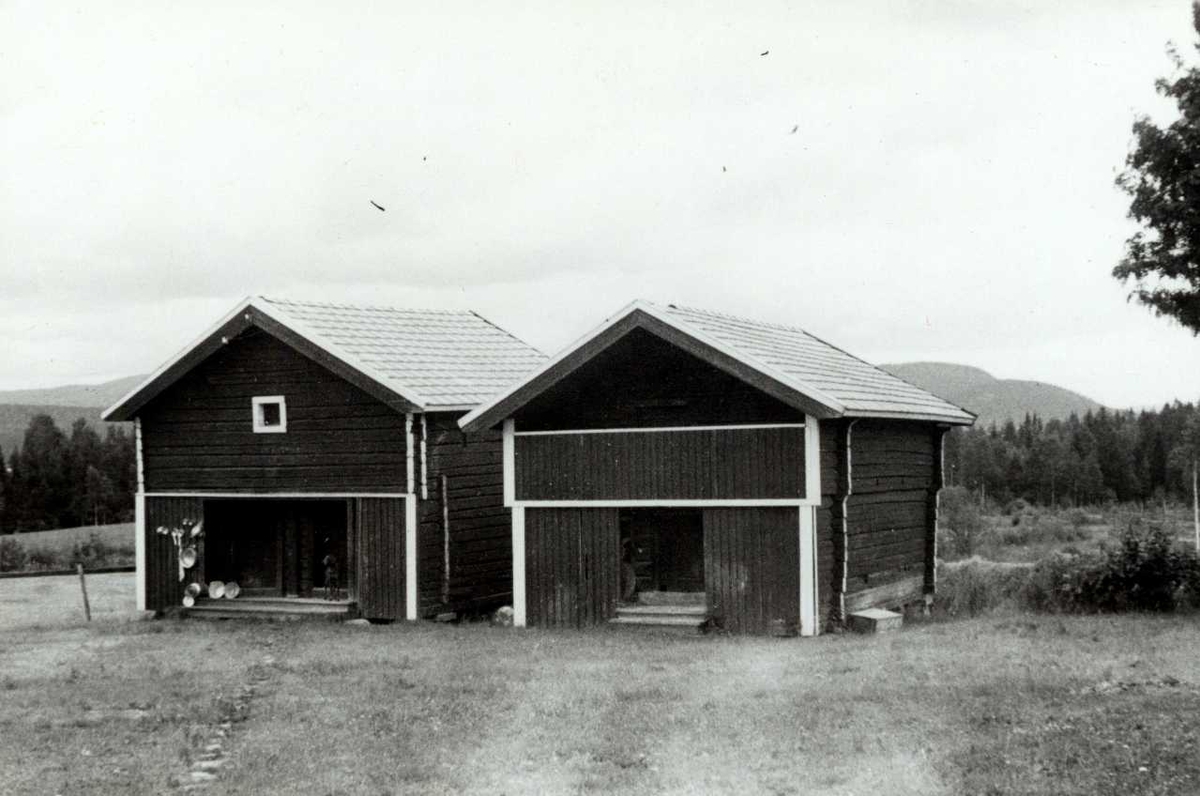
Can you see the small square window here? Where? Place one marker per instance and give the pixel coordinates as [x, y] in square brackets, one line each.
[270, 414]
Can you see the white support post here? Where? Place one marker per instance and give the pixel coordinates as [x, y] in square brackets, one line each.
[518, 567]
[509, 450]
[410, 558]
[139, 517]
[408, 453]
[812, 459]
[424, 452]
[808, 571]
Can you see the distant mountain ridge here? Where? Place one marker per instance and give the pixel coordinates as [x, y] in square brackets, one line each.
[65, 404]
[994, 400]
[102, 395]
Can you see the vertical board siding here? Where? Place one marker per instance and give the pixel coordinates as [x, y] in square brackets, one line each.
[888, 515]
[198, 434]
[572, 566]
[662, 465]
[379, 537]
[480, 525]
[752, 568]
[163, 587]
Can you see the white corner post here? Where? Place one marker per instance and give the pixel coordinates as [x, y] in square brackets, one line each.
[410, 524]
[408, 453]
[518, 569]
[509, 451]
[808, 527]
[410, 557]
[139, 519]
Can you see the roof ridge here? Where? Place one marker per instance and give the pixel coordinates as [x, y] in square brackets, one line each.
[384, 307]
[504, 331]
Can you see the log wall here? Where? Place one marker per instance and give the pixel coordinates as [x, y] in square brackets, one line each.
[476, 571]
[894, 473]
[198, 434]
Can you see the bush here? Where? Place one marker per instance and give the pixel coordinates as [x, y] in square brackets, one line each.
[1145, 572]
[13, 557]
[961, 523]
[43, 558]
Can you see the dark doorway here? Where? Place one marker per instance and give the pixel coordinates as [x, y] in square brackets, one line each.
[274, 547]
[665, 548]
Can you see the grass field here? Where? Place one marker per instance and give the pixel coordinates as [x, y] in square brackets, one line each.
[1012, 704]
[95, 545]
[117, 535]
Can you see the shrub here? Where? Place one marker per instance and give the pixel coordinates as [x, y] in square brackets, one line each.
[1145, 572]
[43, 558]
[13, 557]
[1016, 507]
[961, 522]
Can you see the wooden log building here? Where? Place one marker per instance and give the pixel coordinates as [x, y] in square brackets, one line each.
[297, 430]
[690, 466]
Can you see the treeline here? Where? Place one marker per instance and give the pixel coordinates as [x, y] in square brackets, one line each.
[60, 480]
[1103, 456]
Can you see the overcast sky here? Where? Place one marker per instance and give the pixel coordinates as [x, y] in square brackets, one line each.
[947, 192]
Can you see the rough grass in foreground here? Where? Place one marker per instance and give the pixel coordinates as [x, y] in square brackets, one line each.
[1016, 705]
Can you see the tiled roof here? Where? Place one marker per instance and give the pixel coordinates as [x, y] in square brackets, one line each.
[861, 388]
[820, 377]
[437, 358]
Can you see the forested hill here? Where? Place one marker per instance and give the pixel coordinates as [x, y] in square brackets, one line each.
[994, 400]
[101, 395]
[64, 404]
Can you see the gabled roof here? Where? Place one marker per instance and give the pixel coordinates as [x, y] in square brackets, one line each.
[784, 361]
[413, 360]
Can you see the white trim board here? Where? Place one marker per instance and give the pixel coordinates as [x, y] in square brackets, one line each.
[509, 453]
[252, 495]
[655, 429]
[664, 503]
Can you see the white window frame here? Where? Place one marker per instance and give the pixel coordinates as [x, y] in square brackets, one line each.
[256, 404]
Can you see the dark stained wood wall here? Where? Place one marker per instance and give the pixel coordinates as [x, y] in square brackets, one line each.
[480, 571]
[642, 380]
[889, 520]
[829, 524]
[163, 587]
[752, 568]
[379, 539]
[198, 435]
[572, 566]
[667, 465]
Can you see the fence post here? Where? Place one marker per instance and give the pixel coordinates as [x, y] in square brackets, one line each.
[87, 609]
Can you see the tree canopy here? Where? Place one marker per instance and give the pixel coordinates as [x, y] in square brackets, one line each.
[1162, 177]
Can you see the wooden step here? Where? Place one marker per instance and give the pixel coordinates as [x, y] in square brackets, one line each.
[630, 609]
[271, 608]
[875, 620]
[671, 598]
[687, 625]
